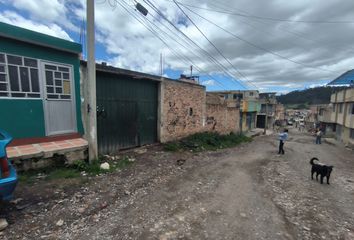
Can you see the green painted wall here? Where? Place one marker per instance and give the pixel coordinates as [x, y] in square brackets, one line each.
[30, 50]
[22, 119]
[251, 106]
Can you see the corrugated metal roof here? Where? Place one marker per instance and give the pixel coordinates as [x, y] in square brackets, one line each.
[346, 78]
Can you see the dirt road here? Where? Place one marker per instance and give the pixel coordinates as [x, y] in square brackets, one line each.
[248, 192]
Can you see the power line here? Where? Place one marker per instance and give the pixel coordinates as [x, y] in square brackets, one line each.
[254, 45]
[175, 53]
[157, 36]
[174, 39]
[196, 66]
[221, 54]
[224, 69]
[267, 18]
[215, 61]
[294, 33]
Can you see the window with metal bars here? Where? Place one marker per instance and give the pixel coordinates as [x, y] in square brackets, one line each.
[19, 77]
[57, 81]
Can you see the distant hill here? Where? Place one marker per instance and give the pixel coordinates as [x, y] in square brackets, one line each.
[319, 95]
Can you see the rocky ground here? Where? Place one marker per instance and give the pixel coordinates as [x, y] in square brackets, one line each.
[247, 192]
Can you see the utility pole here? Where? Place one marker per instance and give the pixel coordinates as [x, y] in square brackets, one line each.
[266, 118]
[91, 79]
[161, 64]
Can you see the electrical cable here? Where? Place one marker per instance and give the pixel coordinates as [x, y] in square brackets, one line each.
[294, 33]
[179, 38]
[254, 45]
[221, 54]
[203, 50]
[156, 35]
[267, 18]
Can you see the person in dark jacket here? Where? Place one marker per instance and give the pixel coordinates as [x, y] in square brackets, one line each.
[318, 136]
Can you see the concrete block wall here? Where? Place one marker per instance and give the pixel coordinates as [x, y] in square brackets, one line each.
[182, 109]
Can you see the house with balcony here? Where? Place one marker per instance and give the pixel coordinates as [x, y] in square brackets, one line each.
[248, 103]
[266, 115]
[342, 115]
[324, 121]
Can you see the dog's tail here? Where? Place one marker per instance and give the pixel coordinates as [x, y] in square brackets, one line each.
[312, 160]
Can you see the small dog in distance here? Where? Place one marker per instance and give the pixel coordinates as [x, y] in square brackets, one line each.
[320, 169]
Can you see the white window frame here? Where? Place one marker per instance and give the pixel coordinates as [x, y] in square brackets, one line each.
[7, 77]
[71, 80]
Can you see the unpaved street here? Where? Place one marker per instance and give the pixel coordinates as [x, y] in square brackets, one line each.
[248, 192]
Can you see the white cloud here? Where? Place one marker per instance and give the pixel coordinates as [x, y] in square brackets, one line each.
[317, 85]
[209, 82]
[17, 20]
[46, 10]
[320, 46]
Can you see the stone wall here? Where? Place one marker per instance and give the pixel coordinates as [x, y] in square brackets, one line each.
[182, 109]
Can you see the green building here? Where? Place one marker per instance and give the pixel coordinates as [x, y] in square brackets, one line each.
[39, 85]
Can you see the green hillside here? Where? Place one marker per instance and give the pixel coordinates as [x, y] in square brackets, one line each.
[319, 95]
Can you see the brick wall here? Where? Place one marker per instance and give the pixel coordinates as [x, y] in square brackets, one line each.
[187, 109]
[222, 119]
[182, 109]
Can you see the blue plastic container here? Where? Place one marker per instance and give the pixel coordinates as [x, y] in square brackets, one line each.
[7, 184]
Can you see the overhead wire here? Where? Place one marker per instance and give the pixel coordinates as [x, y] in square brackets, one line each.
[201, 70]
[210, 42]
[188, 60]
[206, 53]
[292, 32]
[154, 32]
[174, 38]
[212, 58]
[254, 45]
[188, 43]
[267, 18]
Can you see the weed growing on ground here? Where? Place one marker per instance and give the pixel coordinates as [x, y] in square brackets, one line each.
[73, 171]
[63, 173]
[206, 141]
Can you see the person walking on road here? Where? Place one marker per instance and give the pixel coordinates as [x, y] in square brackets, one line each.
[318, 136]
[282, 138]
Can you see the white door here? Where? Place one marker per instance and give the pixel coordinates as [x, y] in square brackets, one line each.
[59, 98]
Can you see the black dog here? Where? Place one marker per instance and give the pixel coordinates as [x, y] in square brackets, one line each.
[320, 169]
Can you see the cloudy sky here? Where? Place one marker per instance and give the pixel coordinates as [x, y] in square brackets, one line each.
[273, 45]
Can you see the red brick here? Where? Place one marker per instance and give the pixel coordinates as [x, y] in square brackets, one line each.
[65, 145]
[26, 147]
